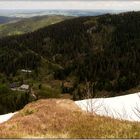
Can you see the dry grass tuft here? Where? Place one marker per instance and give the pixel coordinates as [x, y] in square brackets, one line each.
[62, 118]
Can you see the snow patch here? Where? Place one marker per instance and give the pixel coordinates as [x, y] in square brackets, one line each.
[125, 107]
[6, 117]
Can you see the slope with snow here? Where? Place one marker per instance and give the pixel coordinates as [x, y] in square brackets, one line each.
[125, 107]
[6, 117]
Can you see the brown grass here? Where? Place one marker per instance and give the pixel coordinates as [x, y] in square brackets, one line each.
[62, 118]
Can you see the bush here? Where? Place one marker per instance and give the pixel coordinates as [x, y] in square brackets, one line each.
[28, 112]
[11, 101]
[4, 89]
[48, 92]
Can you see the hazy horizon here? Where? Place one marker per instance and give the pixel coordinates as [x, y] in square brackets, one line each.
[66, 12]
[73, 5]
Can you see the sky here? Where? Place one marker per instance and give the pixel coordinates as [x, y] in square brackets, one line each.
[73, 4]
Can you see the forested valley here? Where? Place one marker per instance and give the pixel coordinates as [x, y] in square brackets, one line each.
[97, 54]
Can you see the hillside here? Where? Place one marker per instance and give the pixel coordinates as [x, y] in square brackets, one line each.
[97, 55]
[63, 119]
[29, 24]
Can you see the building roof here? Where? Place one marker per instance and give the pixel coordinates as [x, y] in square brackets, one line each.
[26, 87]
[24, 70]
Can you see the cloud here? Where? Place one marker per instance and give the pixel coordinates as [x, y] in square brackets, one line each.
[67, 4]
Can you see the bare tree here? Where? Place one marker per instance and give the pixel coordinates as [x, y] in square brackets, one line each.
[92, 105]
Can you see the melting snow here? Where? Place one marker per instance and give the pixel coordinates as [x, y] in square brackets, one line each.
[125, 107]
[6, 117]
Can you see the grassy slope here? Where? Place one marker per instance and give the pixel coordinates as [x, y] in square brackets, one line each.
[29, 24]
[63, 119]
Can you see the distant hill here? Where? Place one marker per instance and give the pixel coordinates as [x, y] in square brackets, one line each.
[4, 20]
[97, 55]
[29, 24]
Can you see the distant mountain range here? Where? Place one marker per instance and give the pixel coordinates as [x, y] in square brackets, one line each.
[31, 13]
[23, 21]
